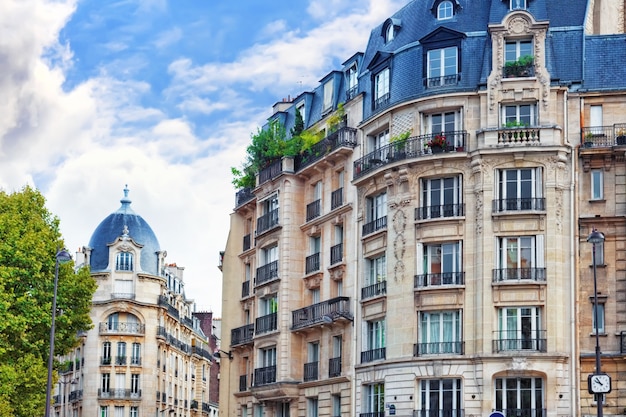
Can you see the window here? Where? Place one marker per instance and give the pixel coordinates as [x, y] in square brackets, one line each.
[445, 10]
[520, 257]
[598, 252]
[379, 140]
[374, 398]
[390, 33]
[106, 353]
[269, 219]
[312, 407]
[269, 305]
[336, 405]
[441, 197]
[134, 384]
[520, 329]
[104, 411]
[105, 383]
[442, 66]
[268, 356]
[381, 88]
[328, 96]
[515, 49]
[377, 207]
[375, 341]
[599, 322]
[447, 124]
[440, 332]
[352, 81]
[121, 353]
[118, 411]
[519, 189]
[376, 270]
[441, 265]
[440, 397]
[124, 261]
[134, 411]
[597, 184]
[300, 107]
[136, 354]
[520, 394]
[518, 4]
[519, 115]
[269, 269]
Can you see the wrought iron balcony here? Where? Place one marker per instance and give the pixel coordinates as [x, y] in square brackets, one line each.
[267, 273]
[313, 210]
[352, 92]
[76, 395]
[311, 371]
[519, 274]
[524, 412]
[381, 101]
[316, 313]
[336, 253]
[438, 212]
[123, 295]
[446, 412]
[121, 327]
[336, 198]
[442, 81]
[518, 204]
[602, 136]
[267, 221]
[312, 263]
[374, 290]
[439, 279]
[375, 225]
[266, 323]
[373, 414]
[334, 367]
[506, 340]
[344, 137]
[439, 348]
[271, 171]
[413, 147]
[122, 394]
[135, 360]
[120, 360]
[373, 355]
[265, 375]
[243, 196]
[193, 405]
[242, 335]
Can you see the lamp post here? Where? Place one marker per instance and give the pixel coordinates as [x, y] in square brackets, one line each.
[61, 257]
[594, 238]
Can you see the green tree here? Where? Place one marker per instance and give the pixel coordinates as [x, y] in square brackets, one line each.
[29, 239]
[298, 125]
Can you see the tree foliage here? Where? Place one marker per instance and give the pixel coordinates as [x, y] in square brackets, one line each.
[29, 240]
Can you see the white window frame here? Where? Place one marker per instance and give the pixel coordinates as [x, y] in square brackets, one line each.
[440, 396]
[515, 186]
[374, 398]
[381, 84]
[270, 254]
[105, 382]
[267, 356]
[376, 334]
[444, 259]
[597, 184]
[136, 353]
[440, 331]
[328, 95]
[313, 351]
[522, 114]
[379, 140]
[124, 261]
[445, 10]
[390, 33]
[302, 109]
[376, 207]
[504, 387]
[438, 193]
[520, 255]
[135, 386]
[312, 407]
[336, 404]
[104, 411]
[376, 270]
[520, 328]
[118, 411]
[443, 62]
[517, 5]
[268, 305]
[514, 49]
[352, 76]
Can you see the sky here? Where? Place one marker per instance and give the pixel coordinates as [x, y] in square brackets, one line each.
[161, 95]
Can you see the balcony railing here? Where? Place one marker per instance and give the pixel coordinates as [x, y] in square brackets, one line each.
[270, 172]
[243, 383]
[373, 355]
[267, 221]
[519, 135]
[336, 253]
[519, 274]
[344, 137]
[373, 414]
[446, 412]
[315, 314]
[442, 81]
[267, 273]
[352, 92]
[381, 101]
[266, 375]
[414, 147]
[374, 290]
[439, 348]
[243, 196]
[121, 327]
[334, 367]
[311, 371]
[120, 360]
[105, 360]
[336, 198]
[124, 394]
[193, 405]
[247, 242]
[266, 323]
[242, 335]
[245, 289]
[441, 211]
[135, 361]
[313, 210]
[375, 225]
[603, 136]
[513, 340]
[518, 204]
[76, 395]
[123, 295]
[312, 263]
[524, 412]
[439, 279]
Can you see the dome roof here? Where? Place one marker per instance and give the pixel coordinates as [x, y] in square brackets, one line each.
[114, 226]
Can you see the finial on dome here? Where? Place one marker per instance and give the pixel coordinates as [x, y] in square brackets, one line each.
[125, 200]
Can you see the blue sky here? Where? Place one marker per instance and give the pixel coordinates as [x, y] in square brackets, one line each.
[161, 95]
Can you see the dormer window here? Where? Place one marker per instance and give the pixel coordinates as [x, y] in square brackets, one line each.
[390, 33]
[518, 4]
[445, 10]
[352, 81]
[390, 29]
[515, 49]
[124, 261]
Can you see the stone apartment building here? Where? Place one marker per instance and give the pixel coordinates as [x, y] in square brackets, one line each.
[429, 257]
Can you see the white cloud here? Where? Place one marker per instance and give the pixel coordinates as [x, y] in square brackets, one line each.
[168, 37]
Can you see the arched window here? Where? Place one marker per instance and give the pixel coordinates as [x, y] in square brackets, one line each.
[124, 261]
[390, 33]
[445, 10]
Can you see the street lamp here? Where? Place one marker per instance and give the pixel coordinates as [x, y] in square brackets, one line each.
[599, 383]
[61, 257]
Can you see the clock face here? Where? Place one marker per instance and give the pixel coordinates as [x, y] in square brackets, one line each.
[599, 383]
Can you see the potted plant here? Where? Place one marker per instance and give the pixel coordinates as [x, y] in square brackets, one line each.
[399, 144]
[520, 68]
[438, 143]
[621, 137]
[588, 143]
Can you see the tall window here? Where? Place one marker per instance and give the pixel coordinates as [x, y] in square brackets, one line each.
[523, 394]
[441, 397]
[597, 184]
[268, 356]
[124, 261]
[520, 329]
[445, 10]
[514, 49]
[352, 81]
[440, 332]
[376, 270]
[375, 341]
[106, 353]
[104, 411]
[374, 398]
[134, 384]
[437, 123]
[390, 33]
[105, 382]
[381, 88]
[442, 66]
[519, 115]
[328, 95]
[520, 189]
[312, 407]
[134, 411]
[118, 411]
[336, 405]
[442, 264]
[599, 322]
[136, 354]
[379, 140]
[269, 305]
[441, 197]
[520, 257]
[377, 207]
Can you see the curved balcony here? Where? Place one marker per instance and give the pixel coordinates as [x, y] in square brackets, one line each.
[121, 327]
[320, 313]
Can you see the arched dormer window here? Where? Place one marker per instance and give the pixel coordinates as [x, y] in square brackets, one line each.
[390, 33]
[445, 10]
[124, 261]
[390, 29]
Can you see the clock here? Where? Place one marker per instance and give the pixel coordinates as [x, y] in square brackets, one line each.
[599, 383]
